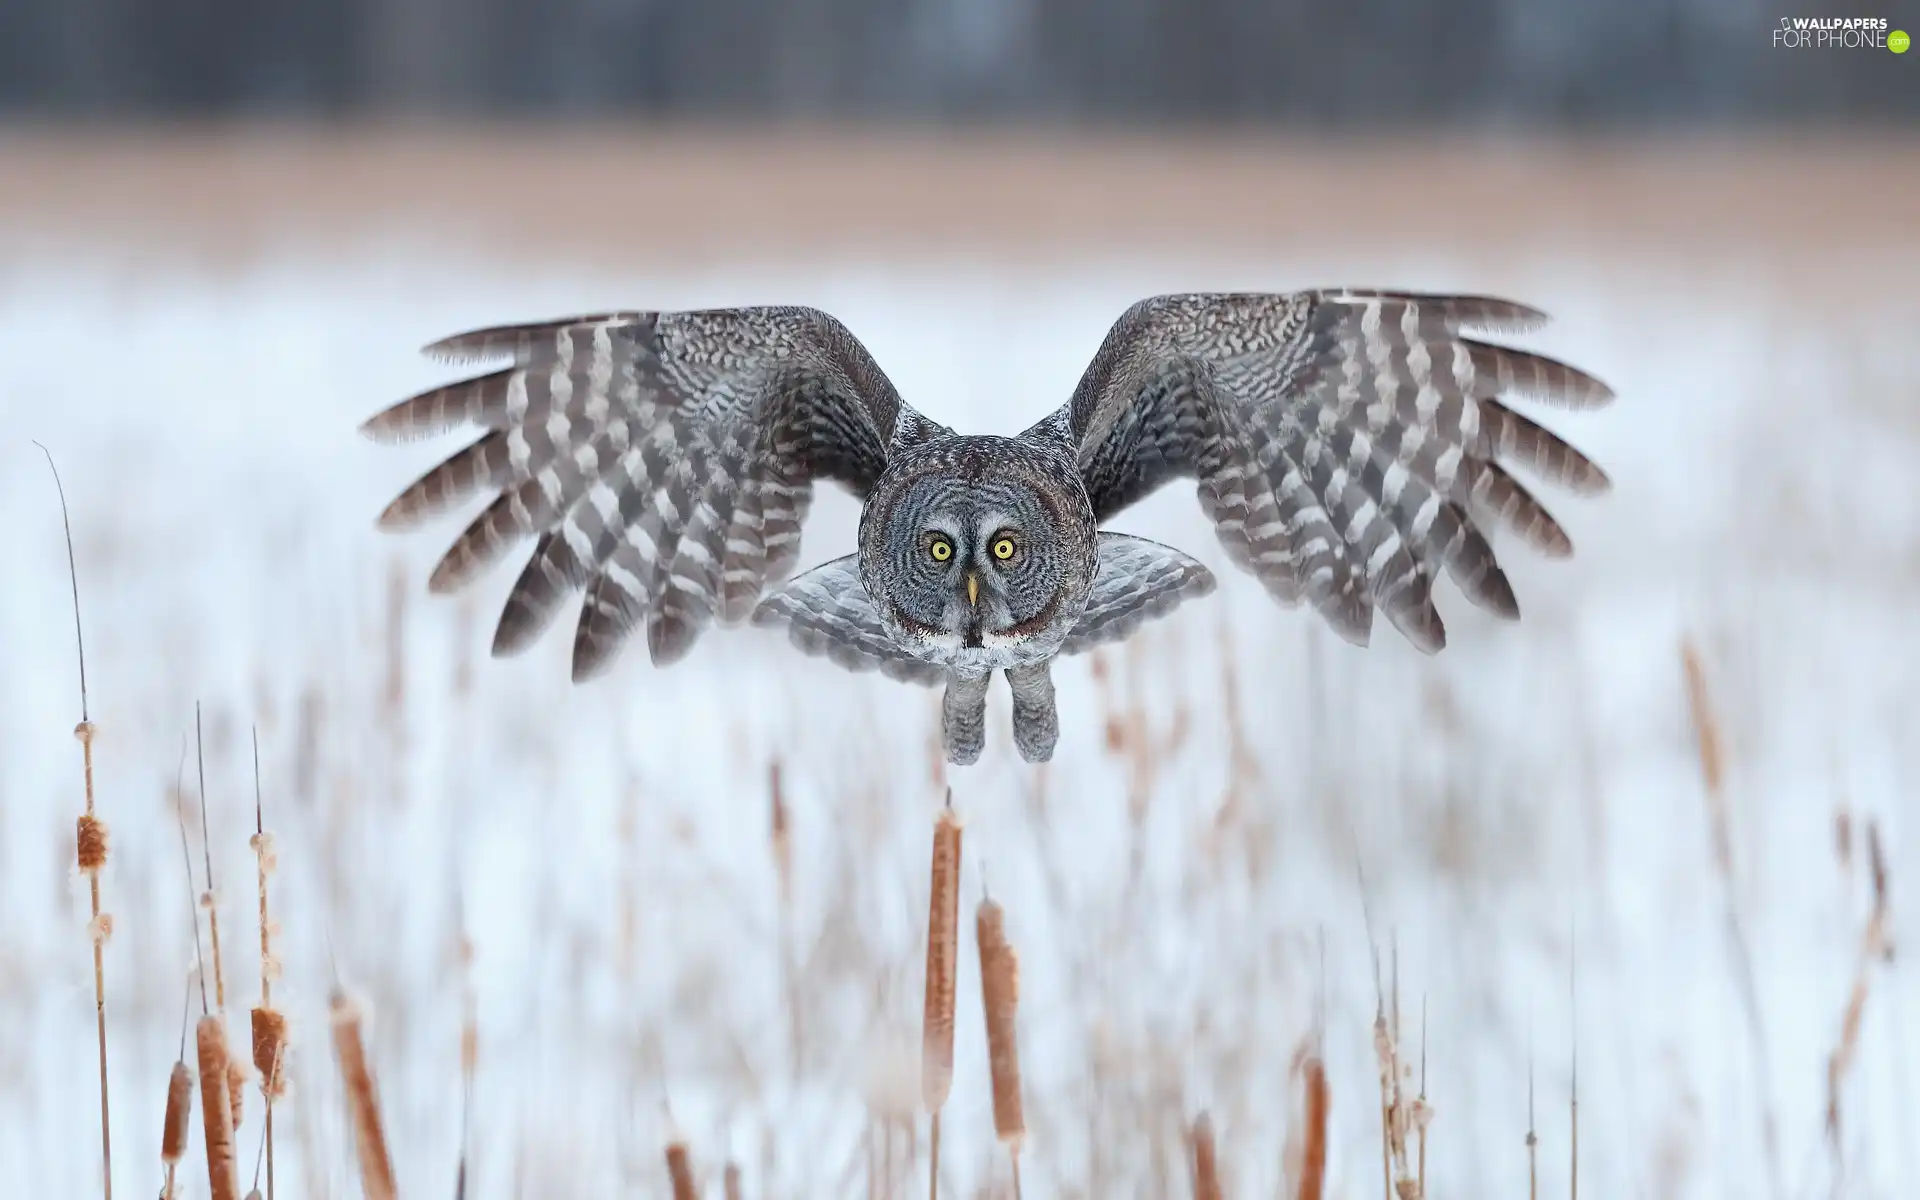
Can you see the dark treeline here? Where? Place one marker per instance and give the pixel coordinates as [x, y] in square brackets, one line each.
[1474, 63]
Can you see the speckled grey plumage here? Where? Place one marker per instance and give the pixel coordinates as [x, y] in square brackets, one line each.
[1347, 444]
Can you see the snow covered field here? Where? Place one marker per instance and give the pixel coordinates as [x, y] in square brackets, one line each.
[1528, 807]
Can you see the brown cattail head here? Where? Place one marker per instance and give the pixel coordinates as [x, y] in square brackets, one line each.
[269, 1050]
[216, 1111]
[730, 1182]
[1313, 1158]
[363, 1100]
[84, 731]
[1000, 997]
[780, 832]
[237, 1090]
[92, 844]
[1206, 1166]
[173, 1131]
[943, 954]
[680, 1171]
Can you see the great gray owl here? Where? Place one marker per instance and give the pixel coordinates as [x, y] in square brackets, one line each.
[1348, 445]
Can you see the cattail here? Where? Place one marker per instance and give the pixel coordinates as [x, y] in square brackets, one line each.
[237, 1090]
[1206, 1167]
[730, 1182]
[173, 1130]
[269, 1029]
[91, 843]
[1313, 1157]
[943, 958]
[1000, 997]
[780, 833]
[943, 941]
[216, 1111]
[680, 1171]
[209, 899]
[91, 840]
[363, 1101]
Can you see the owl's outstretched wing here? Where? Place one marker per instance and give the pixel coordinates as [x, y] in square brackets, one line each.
[827, 612]
[1136, 581]
[1348, 444]
[664, 459]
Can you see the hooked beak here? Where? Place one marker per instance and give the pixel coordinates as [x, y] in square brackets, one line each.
[973, 589]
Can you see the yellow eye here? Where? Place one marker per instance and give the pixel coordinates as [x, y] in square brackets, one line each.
[941, 549]
[1003, 549]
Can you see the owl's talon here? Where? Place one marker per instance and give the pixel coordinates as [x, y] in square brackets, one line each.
[1036, 733]
[963, 718]
[963, 750]
[1036, 721]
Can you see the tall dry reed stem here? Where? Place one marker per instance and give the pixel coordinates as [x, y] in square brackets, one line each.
[90, 842]
[267, 1026]
[1573, 1096]
[1876, 945]
[780, 842]
[1206, 1165]
[210, 899]
[363, 1099]
[1711, 747]
[1422, 1112]
[1533, 1138]
[943, 958]
[469, 1046]
[216, 1110]
[1000, 998]
[1397, 1115]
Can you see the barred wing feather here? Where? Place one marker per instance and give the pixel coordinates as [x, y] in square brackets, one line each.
[662, 461]
[1348, 444]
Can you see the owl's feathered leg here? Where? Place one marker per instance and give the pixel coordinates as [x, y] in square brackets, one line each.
[1036, 722]
[963, 717]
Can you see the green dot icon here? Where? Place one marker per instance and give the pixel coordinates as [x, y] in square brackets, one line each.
[1898, 41]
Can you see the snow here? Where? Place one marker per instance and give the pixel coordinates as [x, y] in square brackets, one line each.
[1527, 808]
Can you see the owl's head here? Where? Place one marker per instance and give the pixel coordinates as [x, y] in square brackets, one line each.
[978, 551]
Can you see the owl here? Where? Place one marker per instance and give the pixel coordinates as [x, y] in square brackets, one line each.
[1349, 445]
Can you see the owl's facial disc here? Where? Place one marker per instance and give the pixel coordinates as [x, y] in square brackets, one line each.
[969, 566]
